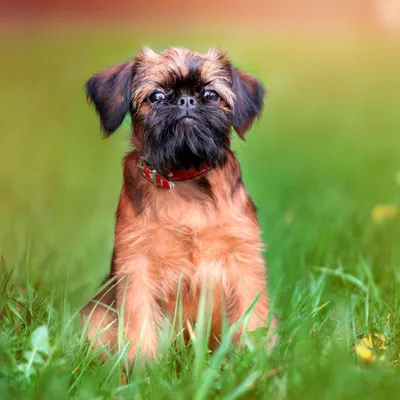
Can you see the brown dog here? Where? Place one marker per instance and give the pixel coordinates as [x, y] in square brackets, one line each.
[184, 218]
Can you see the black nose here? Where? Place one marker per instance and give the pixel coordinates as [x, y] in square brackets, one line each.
[187, 102]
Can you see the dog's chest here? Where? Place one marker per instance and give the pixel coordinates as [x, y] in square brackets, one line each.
[198, 242]
[186, 244]
[183, 259]
[181, 256]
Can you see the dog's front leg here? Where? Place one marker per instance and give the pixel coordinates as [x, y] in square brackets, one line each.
[251, 287]
[136, 298]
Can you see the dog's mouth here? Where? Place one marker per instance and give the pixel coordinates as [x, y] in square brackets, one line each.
[187, 117]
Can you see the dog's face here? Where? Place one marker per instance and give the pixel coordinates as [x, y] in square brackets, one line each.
[183, 105]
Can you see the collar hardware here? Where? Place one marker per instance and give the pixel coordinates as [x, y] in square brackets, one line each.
[174, 175]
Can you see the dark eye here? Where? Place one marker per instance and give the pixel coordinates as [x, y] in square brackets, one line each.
[156, 97]
[210, 94]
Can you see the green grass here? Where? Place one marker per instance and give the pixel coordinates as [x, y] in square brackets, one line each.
[326, 151]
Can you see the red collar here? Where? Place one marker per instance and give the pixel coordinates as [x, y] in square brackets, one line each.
[173, 175]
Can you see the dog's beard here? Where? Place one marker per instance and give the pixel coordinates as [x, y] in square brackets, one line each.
[174, 141]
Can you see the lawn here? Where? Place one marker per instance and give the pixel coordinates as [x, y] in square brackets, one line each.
[322, 166]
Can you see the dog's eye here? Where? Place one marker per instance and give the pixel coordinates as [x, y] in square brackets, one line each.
[156, 97]
[211, 95]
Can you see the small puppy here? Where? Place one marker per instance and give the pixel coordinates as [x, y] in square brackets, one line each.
[184, 218]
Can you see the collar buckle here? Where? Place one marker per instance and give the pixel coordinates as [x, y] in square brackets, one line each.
[153, 176]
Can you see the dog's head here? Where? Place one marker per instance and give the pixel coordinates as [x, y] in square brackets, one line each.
[182, 104]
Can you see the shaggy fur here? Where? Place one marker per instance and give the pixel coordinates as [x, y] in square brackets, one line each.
[203, 231]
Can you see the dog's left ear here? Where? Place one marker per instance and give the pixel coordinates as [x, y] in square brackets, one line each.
[111, 91]
[249, 93]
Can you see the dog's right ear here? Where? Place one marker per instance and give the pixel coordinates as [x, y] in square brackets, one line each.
[111, 93]
[249, 92]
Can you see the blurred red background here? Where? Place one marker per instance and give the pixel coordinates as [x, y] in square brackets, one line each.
[361, 15]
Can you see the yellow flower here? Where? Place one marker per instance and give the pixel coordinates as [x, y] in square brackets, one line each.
[367, 342]
[383, 212]
[365, 353]
[369, 348]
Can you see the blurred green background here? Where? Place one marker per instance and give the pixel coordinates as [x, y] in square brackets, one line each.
[322, 165]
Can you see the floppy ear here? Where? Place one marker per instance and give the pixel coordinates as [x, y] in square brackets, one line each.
[249, 101]
[110, 92]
